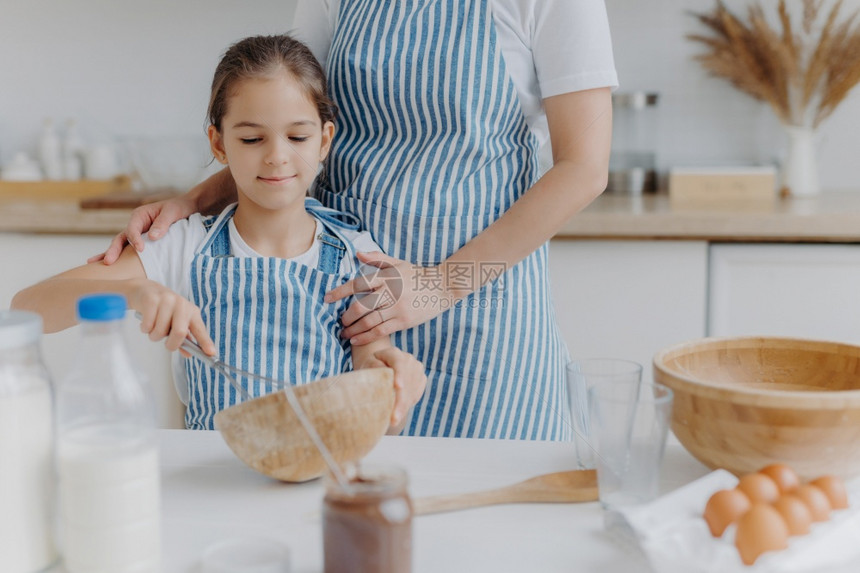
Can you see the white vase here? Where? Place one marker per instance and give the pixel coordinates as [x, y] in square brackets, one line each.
[800, 168]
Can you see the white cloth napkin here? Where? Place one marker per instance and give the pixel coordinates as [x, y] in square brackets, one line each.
[675, 538]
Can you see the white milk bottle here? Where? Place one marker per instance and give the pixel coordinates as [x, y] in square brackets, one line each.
[26, 448]
[107, 456]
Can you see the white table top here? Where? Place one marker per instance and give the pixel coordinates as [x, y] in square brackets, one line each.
[209, 495]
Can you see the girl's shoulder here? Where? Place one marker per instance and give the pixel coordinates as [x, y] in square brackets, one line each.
[183, 231]
[166, 260]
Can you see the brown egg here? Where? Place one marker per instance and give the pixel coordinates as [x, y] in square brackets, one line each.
[785, 477]
[759, 487]
[724, 508]
[760, 529]
[795, 513]
[815, 500]
[834, 489]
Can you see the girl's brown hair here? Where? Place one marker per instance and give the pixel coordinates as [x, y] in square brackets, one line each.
[263, 57]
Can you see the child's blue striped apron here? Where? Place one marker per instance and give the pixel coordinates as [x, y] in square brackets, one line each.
[431, 148]
[267, 315]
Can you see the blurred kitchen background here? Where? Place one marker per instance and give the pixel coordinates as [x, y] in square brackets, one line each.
[121, 68]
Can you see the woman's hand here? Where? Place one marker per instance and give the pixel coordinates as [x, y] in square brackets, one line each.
[166, 314]
[409, 381]
[399, 296]
[208, 196]
[155, 218]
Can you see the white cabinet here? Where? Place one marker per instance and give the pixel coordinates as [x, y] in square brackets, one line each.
[807, 291]
[628, 299]
[28, 258]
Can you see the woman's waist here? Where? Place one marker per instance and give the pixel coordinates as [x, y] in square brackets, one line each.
[422, 188]
[425, 234]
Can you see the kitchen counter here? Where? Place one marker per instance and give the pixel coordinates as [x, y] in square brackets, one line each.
[208, 495]
[831, 217]
[56, 216]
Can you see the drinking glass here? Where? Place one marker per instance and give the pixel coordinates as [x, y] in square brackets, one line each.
[629, 424]
[582, 375]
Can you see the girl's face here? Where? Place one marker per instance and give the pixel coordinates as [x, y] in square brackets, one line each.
[273, 140]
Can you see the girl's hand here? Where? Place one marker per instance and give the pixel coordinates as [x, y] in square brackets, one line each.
[165, 314]
[401, 295]
[409, 382]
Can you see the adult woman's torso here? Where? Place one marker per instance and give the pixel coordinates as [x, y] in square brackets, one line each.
[432, 148]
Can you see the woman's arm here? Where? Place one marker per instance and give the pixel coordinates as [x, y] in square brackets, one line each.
[580, 125]
[164, 313]
[208, 197]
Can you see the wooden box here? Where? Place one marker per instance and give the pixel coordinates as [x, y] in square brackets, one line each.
[723, 186]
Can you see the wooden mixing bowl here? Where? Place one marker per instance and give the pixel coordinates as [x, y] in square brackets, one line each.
[743, 403]
[351, 412]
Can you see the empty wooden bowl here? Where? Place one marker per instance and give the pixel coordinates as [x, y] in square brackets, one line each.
[351, 412]
[743, 403]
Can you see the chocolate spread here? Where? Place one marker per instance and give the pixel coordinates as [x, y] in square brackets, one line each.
[368, 530]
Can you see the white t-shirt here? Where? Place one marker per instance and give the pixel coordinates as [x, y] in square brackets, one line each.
[550, 47]
[168, 261]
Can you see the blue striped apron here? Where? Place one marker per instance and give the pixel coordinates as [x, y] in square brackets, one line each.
[431, 148]
[266, 315]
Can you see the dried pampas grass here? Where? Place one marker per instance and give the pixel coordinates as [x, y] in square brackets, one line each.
[803, 72]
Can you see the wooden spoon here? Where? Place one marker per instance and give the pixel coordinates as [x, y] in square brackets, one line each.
[558, 487]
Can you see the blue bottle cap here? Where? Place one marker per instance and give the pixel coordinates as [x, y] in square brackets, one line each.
[101, 307]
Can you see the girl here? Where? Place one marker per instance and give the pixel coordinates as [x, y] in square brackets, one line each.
[249, 284]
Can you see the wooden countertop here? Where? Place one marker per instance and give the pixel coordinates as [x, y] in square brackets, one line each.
[830, 217]
[55, 216]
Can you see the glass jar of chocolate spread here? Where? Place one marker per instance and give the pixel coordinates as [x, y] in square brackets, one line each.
[369, 528]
